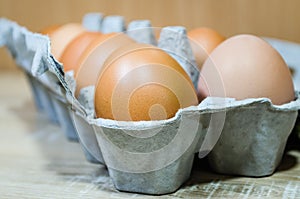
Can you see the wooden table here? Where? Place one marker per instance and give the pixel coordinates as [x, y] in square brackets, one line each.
[36, 161]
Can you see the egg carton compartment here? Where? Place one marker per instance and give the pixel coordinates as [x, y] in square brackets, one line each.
[87, 138]
[155, 157]
[34, 85]
[43, 99]
[62, 109]
[65, 115]
[70, 125]
[56, 107]
[253, 138]
[84, 130]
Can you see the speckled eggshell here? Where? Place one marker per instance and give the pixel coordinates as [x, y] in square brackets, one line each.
[142, 82]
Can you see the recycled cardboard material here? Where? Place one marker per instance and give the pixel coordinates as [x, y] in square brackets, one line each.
[63, 115]
[113, 24]
[92, 21]
[155, 157]
[87, 137]
[43, 99]
[174, 41]
[253, 139]
[141, 31]
[34, 84]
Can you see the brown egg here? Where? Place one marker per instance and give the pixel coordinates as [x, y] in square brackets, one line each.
[245, 66]
[71, 55]
[60, 37]
[92, 59]
[203, 40]
[142, 82]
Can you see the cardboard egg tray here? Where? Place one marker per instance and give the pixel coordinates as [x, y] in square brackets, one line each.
[245, 137]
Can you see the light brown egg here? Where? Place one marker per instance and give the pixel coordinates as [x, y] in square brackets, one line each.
[94, 56]
[60, 37]
[203, 40]
[142, 82]
[71, 55]
[245, 66]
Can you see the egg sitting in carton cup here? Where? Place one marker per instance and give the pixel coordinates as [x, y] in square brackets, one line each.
[241, 137]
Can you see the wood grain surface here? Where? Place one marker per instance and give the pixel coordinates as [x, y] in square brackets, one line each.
[36, 161]
[272, 18]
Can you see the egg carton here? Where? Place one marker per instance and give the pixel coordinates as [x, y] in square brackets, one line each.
[245, 137]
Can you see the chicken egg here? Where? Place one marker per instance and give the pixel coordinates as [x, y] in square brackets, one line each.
[71, 55]
[142, 82]
[94, 56]
[245, 66]
[203, 40]
[61, 36]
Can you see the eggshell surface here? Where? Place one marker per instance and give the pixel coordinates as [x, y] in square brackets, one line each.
[94, 56]
[245, 66]
[71, 55]
[203, 40]
[62, 36]
[142, 83]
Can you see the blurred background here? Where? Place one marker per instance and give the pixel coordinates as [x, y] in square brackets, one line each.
[272, 18]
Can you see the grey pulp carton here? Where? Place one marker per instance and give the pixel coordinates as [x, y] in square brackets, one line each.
[254, 151]
[34, 84]
[245, 137]
[253, 138]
